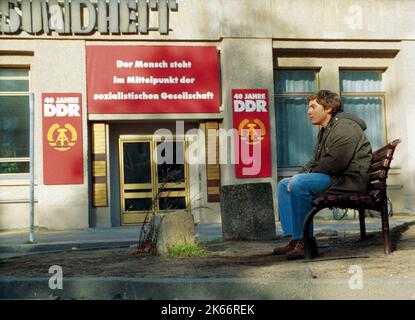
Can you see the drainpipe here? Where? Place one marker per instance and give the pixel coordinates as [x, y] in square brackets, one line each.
[32, 169]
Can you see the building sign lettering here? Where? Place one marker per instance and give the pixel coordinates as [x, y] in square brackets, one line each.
[82, 17]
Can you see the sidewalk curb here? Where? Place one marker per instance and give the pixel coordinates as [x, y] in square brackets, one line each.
[63, 246]
[198, 288]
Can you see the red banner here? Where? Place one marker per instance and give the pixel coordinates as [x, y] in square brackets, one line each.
[251, 122]
[152, 79]
[62, 138]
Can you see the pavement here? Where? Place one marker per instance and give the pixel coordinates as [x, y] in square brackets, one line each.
[15, 244]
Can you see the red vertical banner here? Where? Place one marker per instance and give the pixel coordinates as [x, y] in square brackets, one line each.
[251, 124]
[62, 138]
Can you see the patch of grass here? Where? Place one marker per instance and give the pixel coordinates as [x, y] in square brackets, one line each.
[187, 250]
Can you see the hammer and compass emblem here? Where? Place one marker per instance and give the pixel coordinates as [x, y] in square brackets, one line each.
[252, 132]
[62, 139]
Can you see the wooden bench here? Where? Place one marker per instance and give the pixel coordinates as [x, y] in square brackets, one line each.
[375, 199]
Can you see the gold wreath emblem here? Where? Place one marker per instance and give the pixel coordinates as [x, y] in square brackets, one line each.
[248, 131]
[58, 137]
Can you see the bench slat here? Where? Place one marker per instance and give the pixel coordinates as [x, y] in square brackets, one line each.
[382, 155]
[380, 165]
[385, 151]
[378, 175]
[378, 185]
[384, 148]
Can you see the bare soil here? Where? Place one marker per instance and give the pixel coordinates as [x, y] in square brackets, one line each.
[234, 259]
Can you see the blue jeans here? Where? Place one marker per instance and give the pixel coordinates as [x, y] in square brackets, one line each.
[294, 206]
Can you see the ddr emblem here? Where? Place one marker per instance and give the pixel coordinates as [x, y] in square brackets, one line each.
[251, 132]
[62, 139]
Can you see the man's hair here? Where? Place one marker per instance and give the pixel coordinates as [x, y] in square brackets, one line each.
[327, 99]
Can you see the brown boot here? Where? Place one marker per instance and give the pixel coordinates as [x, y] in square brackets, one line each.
[288, 247]
[299, 253]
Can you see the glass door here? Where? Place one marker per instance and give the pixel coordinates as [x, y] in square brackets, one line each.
[136, 177]
[171, 175]
[153, 177]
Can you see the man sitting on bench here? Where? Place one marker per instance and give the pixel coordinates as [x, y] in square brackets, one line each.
[340, 165]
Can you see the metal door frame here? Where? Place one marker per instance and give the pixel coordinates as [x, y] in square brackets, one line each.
[154, 175]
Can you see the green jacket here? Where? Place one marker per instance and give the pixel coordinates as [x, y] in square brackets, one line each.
[344, 153]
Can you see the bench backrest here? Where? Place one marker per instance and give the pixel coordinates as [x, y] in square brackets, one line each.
[381, 161]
